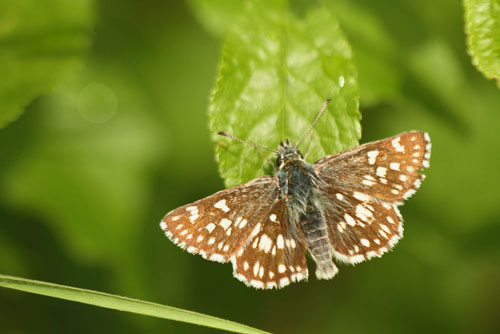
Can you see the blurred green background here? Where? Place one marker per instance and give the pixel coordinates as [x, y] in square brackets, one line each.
[120, 137]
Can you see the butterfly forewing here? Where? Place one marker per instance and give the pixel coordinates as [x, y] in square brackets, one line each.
[273, 257]
[219, 225]
[364, 186]
[386, 169]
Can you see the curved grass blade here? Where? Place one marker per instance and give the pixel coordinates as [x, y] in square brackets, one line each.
[121, 303]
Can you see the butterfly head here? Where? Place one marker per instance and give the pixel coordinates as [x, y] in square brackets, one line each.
[287, 153]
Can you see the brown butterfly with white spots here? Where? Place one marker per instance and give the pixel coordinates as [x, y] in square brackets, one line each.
[343, 206]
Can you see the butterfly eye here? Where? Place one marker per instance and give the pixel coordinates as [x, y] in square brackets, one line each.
[278, 161]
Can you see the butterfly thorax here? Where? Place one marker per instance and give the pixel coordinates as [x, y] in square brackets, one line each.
[296, 176]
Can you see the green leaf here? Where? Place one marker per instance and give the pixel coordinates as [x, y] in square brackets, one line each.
[276, 71]
[482, 19]
[40, 41]
[217, 16]
[120, 303]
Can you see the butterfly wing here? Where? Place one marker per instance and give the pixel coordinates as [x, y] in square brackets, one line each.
[247, 225]
[219, 225]
[364, 187]
[274, 256]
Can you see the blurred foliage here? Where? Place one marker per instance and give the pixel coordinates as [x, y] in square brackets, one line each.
[40, 42]
[81, 195]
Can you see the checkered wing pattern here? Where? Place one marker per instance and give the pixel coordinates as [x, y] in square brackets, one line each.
[218, 226]
[274, 256]
[364, 186]
[247, 225]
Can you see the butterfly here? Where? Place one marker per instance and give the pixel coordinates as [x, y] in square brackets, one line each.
[343, 206]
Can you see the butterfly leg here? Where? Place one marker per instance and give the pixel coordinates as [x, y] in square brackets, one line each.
[318, 243]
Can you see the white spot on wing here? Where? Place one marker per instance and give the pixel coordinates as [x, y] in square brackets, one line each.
[365, 242]
[280, 242]
[255, 230]
[284, 281]
[349, 220]
[381, 171]
[222, 205]
[372, 156]
[368, 183]
[363, 213]
[265, 243]
[397, 145]
[210, 227]
[394, 165]
[243, 223]
[383, 234]
[360, 196]
[225, 223]
[256, 268]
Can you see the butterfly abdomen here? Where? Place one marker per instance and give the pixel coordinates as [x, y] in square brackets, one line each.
[318, 243]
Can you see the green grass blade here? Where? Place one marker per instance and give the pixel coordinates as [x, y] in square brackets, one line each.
[120, 303]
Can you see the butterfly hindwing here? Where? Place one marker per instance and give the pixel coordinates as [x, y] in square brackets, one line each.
[274, 256]
[362, 227]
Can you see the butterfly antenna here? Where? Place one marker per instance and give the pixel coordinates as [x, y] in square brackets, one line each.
[225, 134]
[325, 104]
